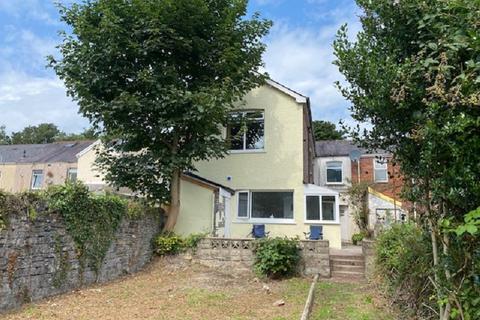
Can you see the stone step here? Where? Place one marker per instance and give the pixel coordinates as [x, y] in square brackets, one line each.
[347, 262]
[348, 275]
[348, 268]
[346, 257]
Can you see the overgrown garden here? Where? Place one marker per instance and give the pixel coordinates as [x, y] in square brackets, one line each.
[413, 74]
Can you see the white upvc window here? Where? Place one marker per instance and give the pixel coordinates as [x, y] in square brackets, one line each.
[246, 131]
[72, 174]
[265, 206]
[37, 179]
[334, 172]
[321, 209]
[380, 167]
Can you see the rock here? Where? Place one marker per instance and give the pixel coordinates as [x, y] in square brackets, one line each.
[279, 303]
[266, 288]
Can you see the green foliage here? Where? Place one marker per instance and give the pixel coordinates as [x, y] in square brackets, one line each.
[4, 138]
[403, 260]
[326, 130]
[276, 257]
[169, 243]
[413, 74]
[159, 78]
[91, 220]
[357, 237]
[43, 133]
[358, 197]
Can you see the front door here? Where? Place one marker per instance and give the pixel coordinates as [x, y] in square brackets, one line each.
[345, 224]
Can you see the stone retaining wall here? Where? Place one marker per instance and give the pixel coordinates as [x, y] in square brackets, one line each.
[38, 258]
[238, 254]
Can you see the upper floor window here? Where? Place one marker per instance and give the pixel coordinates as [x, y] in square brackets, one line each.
[334, 172]
[37, 179]
[72, 174]
[380, 170]
[245, 130]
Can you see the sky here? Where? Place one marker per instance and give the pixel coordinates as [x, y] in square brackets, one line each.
[299, 55]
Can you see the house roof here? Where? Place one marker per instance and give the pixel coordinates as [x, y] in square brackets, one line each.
[208, 182]
[300, 98]
[332, 148]
[42, 153]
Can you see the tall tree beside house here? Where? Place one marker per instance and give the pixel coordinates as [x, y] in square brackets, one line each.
[42, 133]
[4, 138]
[160, 77]
[413, 73]
[326, 130]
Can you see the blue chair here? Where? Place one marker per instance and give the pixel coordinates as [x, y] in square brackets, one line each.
[258, 231]
[316, 233]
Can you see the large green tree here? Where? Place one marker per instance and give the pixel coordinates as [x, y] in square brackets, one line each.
[413, 73]
[42, 133]
[4, 137]
[326, 130]
[160, 77]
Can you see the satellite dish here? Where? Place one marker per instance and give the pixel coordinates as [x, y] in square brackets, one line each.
[354, 155]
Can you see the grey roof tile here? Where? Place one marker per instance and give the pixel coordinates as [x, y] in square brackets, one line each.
[42, 153]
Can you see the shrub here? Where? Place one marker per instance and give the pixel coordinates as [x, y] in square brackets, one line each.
[168, 243]
[357, 237]
[276, 257]
[192, 240]
[404, 263]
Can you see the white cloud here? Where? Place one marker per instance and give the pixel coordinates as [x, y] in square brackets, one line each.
[27, 100]
[301, 58]
[40, 10]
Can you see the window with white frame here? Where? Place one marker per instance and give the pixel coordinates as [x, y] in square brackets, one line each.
[37, 179]
[334, 172]
[246, 130]
[265, 205]
[380, 168]
[321, 208]
[72, 174]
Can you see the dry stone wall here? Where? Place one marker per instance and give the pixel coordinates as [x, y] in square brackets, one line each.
[238, 254]
[38, 258]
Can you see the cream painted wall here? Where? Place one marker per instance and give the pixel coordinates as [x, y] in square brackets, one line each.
[18, 177]
[196, 209]
[7, 177]
[278, 167]
[87, 172]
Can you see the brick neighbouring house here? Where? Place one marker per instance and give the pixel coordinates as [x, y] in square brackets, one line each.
[335, 169]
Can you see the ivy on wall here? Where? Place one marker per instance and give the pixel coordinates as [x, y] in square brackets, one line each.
[90, 219]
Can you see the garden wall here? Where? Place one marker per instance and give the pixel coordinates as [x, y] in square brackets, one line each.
[238, 254]
[38, 258]
[368, 250]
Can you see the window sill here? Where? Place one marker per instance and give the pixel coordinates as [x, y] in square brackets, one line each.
[322, 222]
[383, 182]
[246, 151]
[265, 221]
[334, 183]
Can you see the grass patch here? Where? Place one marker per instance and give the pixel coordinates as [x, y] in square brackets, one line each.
[347, 301]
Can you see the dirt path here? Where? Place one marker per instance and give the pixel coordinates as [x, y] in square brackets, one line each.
[172, 290]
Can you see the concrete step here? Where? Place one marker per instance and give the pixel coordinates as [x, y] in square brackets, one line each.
[348, 268]
[347, 262]
[346, 257]
[348, 275]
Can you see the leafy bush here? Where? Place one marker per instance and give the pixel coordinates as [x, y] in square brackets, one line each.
[170, 243]
[276, 257]
[357, 237]
[404, 263]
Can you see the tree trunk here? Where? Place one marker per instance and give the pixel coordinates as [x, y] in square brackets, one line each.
[174, 208]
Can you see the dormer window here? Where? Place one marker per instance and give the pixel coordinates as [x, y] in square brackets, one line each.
[334, 172]
[245, 130]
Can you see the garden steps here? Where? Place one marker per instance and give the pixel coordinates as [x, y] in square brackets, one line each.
[347, 266]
